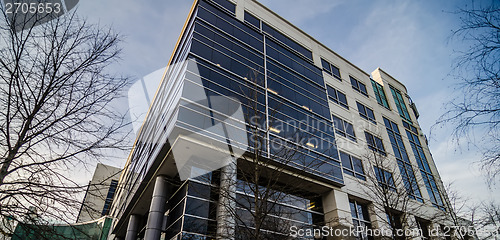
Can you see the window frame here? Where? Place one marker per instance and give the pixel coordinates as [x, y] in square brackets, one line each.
[380, 95]
[400, 103]
[343, 132]
[351, 169]
[330, 69]
[357, 206]
[388, 178]
[375, 143]
[358, 83]
[363, 112]
[336, 99]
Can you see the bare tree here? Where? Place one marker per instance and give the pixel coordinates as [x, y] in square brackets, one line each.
[488, 223]
[56, 112]
[391, 194]
[475, 113]
[458, 221]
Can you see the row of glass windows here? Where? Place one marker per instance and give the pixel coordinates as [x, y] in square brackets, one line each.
[396, 141]
[287, 41]
[282, 211]
[410, 181]
[400, 104]
[233, 63]
[316, 150]
[288, 130]
[252, 20]
[425, 170]
[410, 127]
[211, 127]
[257, 23]
[296, 97]
[223, 82]
[293, 61]
[360, 218]
[213, 37]
[192, 211]
[408, 175]
[230, 25]
[380, 94]
[286, 111]
[233, 102]
[385, 179]
[320, 159]
[293, 80]
[109, 197]
[231, 7]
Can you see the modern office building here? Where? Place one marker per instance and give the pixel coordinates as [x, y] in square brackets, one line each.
[248, 93]
[100, 192]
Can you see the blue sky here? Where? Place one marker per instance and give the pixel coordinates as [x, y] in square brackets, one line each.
[409, 39]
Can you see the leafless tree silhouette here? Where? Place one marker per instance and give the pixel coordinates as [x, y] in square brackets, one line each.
[390, 196]
[475, 113]
[56, 111]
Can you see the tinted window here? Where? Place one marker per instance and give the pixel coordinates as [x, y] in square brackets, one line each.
[227, 5]
[252, 20]
[358, 86]
[366, 113]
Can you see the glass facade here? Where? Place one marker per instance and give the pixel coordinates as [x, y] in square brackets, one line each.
[352, 166]
[405, 168]
[109, 197]
[360, 218]
[384, 179]
[192, 211]
[375, 143]
[425, 170]
[284, 209]
[400, 104]
[380, 94]
[229, 57]
[235, 60]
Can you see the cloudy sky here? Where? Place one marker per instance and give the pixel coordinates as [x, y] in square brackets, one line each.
[409, 39]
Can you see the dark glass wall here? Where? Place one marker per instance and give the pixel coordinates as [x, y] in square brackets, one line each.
[273, 80]
[271, 76]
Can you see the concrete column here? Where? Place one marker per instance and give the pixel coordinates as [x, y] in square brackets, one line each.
[227, 202]
[157, 209]
[133, 225]
[337, 212]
